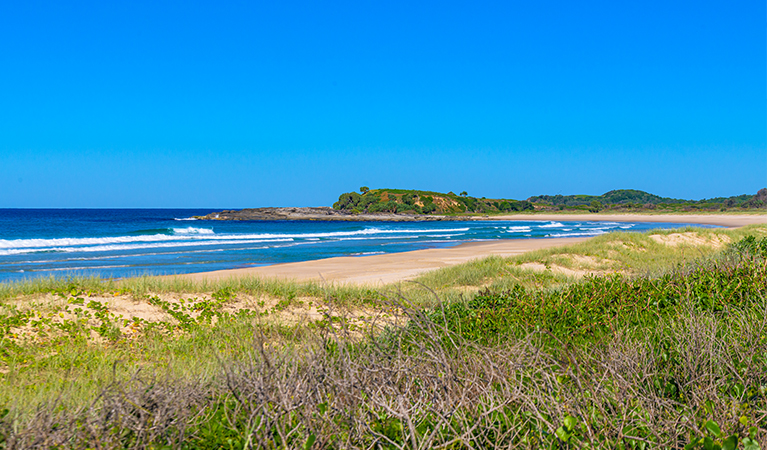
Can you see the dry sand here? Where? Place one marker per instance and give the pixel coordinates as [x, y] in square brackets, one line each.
[382, 269]
[388, 268]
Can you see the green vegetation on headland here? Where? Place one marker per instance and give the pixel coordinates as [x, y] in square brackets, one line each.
[402, 201]
[630, 199]
[664, 346]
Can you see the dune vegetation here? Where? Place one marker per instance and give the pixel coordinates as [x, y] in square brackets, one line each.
[627, 340]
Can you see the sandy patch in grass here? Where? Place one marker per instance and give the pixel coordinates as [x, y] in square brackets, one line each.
[582, 265]
[132, 316]
[627, 246]
[691, 239]
[538, 267]
[128, 308]
[585, 260]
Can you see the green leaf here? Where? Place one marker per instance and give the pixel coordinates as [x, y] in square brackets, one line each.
[310, 441]
[562, 434]
[708, 443]
[713, 428]
[731, 443]
[570, 423]
[750, 444]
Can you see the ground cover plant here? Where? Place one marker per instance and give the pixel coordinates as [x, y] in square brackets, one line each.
[668, 355]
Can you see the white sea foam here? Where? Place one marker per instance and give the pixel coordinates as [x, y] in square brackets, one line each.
[552, 225]
[518, 229]
[132, 246]
[187, 218]
[192, 230]
[195, 234]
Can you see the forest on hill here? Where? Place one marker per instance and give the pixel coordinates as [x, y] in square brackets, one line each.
[632, 198]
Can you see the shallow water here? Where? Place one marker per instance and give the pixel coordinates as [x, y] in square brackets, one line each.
[129, 242]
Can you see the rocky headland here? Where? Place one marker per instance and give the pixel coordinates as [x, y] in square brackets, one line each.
[320, 213]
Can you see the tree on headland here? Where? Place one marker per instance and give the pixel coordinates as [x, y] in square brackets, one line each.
[463, 194]
[347, 200]
[364, 189]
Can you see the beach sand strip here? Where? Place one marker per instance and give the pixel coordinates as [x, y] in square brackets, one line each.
[377, 270]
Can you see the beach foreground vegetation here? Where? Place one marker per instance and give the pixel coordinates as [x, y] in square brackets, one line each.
[628, 340]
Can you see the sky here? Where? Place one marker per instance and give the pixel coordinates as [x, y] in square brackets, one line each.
[234, 104]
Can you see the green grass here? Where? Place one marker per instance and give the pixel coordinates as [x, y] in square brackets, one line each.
[672, 358]
[544, 332]
[629, 252]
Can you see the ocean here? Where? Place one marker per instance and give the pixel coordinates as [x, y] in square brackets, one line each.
[120, 243]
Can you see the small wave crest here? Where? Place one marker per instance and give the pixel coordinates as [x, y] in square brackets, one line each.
[134, 246]
[192, 230]
[552, 225]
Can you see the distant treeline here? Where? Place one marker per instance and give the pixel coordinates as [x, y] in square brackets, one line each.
[634, 199]
[406, 201]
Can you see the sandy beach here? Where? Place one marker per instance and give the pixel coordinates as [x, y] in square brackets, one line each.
[388, 268]
[382, 269]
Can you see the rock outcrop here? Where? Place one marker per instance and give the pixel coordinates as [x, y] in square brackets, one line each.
[318, 213]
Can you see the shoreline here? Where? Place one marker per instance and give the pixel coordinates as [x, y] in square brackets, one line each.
[725, 220]
[386, 268]
[394, 267]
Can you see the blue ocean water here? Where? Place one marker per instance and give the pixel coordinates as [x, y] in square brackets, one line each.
[120, 243]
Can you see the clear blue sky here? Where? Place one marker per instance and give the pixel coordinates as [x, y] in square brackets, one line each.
[244, 104]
